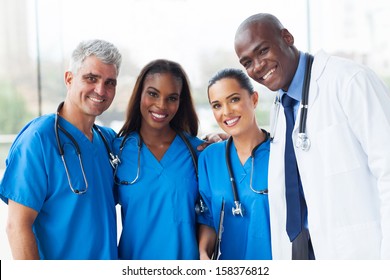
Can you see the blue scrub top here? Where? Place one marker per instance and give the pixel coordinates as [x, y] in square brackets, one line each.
[158, 211]
[68, 226]
[247, 237]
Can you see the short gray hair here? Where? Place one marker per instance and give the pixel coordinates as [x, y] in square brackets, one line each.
[103, 50]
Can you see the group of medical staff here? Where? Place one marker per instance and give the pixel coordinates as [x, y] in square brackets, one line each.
[182, 200]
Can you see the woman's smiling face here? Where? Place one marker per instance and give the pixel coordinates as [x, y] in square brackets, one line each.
[160, 100]
[233, 106]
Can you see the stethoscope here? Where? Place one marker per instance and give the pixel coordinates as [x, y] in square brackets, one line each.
[139, 146]
[302, 141]
[114, 160]
[238, 209]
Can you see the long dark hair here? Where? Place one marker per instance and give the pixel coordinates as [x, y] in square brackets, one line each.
[185, 118]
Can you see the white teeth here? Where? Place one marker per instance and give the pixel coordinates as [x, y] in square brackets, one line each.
[158, 116]
[268, 74]
[232, 121]
[96, 100]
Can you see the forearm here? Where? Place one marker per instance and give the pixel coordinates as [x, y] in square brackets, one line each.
[22, 242]
[19, 231]
[206, 237]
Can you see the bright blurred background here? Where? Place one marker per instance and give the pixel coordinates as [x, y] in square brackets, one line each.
[37, 37]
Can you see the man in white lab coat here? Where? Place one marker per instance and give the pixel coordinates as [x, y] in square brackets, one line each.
[345, 174]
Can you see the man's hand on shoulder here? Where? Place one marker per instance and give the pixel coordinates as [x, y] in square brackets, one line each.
[212, 138]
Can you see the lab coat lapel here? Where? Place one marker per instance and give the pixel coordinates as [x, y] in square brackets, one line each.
[320, 60]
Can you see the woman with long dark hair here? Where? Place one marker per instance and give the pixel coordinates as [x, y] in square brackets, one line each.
[157, 179]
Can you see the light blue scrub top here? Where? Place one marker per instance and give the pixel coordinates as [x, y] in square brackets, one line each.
[158, 211]
[247, 237]
[68, 226]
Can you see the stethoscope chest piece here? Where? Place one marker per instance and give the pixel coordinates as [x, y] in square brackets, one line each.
[237, 209]
[303, 142]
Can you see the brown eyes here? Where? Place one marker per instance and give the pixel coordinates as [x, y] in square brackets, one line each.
[169, 98]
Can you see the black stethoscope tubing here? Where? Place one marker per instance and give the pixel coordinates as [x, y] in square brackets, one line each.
[303, 140]
[238, 209]
[193, 154]
[305, 94]
[114, 160]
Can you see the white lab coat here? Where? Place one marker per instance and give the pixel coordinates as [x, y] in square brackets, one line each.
[346, 173]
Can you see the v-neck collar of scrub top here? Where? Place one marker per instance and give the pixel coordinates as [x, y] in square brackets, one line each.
[166, 159]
